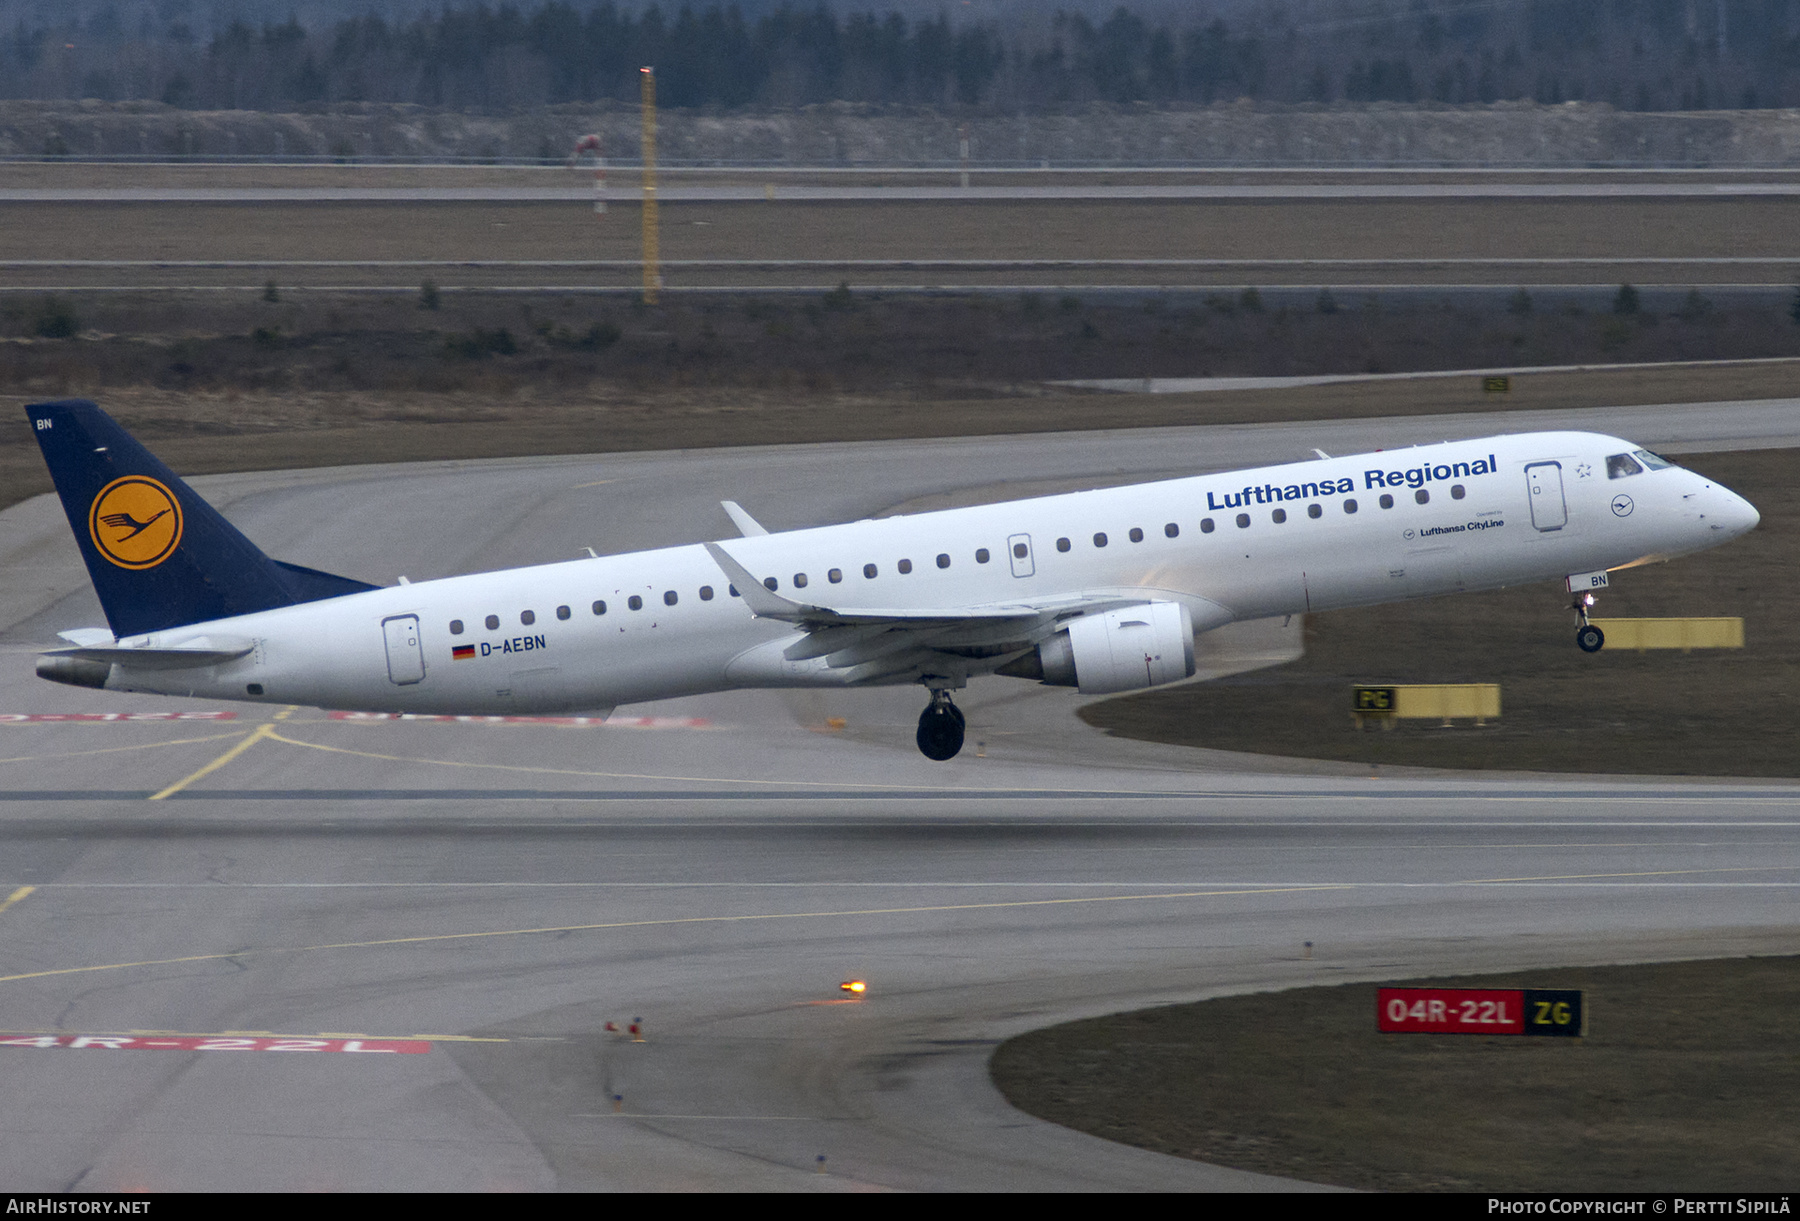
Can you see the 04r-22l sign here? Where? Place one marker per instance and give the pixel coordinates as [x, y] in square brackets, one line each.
[1491, 1011]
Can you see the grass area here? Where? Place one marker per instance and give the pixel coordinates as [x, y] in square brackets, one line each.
[1688, 1079]
[341, 382]
[1722, 712]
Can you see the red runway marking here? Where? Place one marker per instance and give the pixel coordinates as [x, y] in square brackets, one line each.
[17, 717]
[618, 722]
[114, 1042]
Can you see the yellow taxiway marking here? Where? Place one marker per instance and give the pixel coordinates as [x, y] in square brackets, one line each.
[107, 750]
[1646, 873]
[664, 923]
[23, 892]
[265, 730]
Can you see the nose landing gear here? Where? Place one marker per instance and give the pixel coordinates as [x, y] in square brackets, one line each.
[940, 728]
[1588, 638]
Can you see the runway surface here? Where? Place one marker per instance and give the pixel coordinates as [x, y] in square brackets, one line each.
[1665, 281]
[792, 192]
[493, 894]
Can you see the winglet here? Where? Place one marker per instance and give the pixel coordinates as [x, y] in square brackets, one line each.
[747, 525]
[763, 602]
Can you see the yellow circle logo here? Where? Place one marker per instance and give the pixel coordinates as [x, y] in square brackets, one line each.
[135, 522]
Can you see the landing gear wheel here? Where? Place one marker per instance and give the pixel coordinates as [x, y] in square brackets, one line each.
[1590, 638]
[940, 729]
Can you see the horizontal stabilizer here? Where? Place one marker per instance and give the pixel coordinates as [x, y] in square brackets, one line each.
[206, 651]
[87, 636]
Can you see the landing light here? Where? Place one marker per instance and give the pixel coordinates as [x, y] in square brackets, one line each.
[855, 987]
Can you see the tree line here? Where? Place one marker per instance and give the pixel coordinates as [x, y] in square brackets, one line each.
[1633, 54]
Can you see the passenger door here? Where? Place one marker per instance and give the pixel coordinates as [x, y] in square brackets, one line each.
[1544, 483]
[405, 659]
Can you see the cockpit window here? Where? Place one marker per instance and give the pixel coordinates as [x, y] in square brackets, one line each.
[1620, 466]
[1655, 462]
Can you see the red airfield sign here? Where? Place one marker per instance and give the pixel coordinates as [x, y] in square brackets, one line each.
[1489, 1011]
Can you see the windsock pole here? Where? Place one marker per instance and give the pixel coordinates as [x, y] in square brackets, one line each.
[652, 272]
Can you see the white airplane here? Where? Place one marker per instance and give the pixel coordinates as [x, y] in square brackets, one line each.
[1102, 590]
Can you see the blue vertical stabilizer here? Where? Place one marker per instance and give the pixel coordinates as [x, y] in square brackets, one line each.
[159, 556]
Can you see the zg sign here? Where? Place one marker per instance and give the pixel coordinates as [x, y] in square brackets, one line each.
[1492, 1011]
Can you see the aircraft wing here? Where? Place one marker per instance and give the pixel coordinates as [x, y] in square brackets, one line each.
[765, 603]
[873, 642]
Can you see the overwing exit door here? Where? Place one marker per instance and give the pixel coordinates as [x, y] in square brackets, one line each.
[406, 660]
[1543, 480]
[1018, 550]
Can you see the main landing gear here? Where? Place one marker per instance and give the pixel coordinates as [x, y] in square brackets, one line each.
[1588, 638]
[940, 727]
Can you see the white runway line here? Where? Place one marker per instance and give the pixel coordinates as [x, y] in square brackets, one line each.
[790, 193]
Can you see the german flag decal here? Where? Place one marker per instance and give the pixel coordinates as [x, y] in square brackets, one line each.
[462, 652]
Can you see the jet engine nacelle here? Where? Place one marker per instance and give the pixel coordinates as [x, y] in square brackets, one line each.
[1122, 650]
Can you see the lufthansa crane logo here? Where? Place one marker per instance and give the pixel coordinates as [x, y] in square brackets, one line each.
[135, 522]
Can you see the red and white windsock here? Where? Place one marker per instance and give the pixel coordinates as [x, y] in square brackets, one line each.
[591, 144]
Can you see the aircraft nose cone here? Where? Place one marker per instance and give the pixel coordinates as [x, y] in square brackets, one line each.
[1747, 514]
[1736, 515]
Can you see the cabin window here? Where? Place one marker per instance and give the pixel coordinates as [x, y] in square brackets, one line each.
[835, 576]
[943, 561]
[1099, 540]
[599, 608]
[1062, 544]
[904, 566]
[1349, 506]
[562, 612]
[1422, 496]
[1171, 530]
[771, 584]
[1458, 491]
[1243, 521]
[635, 602]
[1206, 526]
[1386, 501]
[1622, 466]
[456, 627]
[670, 597]
[527, 618]
[1279, 516]
[732, 589]
[981, 555]
[1020, 551]
[869, 571]
[1137, 535]
[706, 593]
[493, 623]
[799, 580]
[1315, 511]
